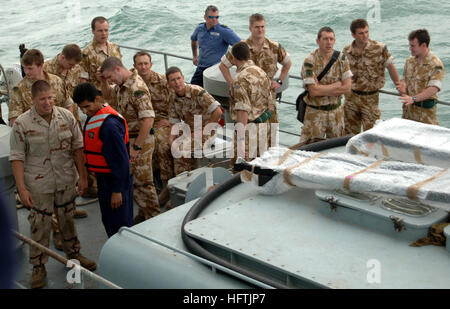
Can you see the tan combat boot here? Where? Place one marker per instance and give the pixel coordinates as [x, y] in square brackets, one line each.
[84, 261]
[79, 214]
[38, 277]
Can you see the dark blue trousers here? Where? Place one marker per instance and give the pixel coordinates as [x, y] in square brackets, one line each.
[114, 219]
[197, 79]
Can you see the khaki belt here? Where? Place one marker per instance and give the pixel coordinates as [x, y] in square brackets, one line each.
[328, 107]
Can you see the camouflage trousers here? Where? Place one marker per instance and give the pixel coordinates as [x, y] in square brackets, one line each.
[273, 108]
[257, 141]
[162, 157]
[62, 203]
[144, 190]
[420, 114]
[360, 110]
[319, 124]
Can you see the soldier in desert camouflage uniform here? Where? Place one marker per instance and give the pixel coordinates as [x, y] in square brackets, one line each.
[157, 85]
[46, 152]
[20, 100]
[368, 60]
[134, 104]
[265, 54]
[97, 51]
[422, 80]
[66, 66]
[186, 102]
[249, 103]
[324, 116]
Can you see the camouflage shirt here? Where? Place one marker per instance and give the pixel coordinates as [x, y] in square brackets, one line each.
[314, 65]
[71, 78]
[267, 58]
[20, 100]
[250, 91]
[134, 101]
[46, 149]
[196, 101]
[157, 85]
[419, 76]
[368, 66]
[93, 57]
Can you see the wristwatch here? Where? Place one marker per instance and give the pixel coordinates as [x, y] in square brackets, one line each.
[280, 81]
[136, 147]
[414, 99]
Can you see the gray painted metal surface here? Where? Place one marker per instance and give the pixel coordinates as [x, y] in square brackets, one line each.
[289, 234]
[131, 261]
[373, 213]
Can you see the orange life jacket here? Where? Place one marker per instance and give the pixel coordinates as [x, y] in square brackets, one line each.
[95, 161]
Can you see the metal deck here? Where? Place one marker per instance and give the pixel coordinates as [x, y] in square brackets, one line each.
[293, 241]
[92, 236]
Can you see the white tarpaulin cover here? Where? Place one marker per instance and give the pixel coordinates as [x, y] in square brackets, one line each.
[332, 171]
[404, 140]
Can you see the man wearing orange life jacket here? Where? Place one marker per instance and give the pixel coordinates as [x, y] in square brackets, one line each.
[106, 151]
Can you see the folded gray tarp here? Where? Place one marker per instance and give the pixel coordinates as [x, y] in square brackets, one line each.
[333, 171]
[404, 140]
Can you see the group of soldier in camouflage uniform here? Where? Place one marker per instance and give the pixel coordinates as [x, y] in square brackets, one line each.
[153, 103]
[359, 74]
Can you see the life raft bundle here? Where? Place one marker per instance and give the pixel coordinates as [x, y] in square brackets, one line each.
[284, 168]
[404, 140]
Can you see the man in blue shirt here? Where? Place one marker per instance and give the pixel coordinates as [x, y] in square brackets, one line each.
[212, 39]
[106, 141]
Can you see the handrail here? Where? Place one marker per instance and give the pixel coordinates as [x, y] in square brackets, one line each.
[64, 261]
[381, 90]
[290, 76]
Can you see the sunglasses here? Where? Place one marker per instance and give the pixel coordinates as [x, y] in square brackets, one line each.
[212, 17]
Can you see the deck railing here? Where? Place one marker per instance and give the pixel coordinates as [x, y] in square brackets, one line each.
[166, 66]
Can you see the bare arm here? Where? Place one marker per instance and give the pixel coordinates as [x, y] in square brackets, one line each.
[393, 73]
[284, 72]
[226, 73]
[334, 89]
[242, 117]
[194, 47]
[19, 176]
[215, 115]
[424, 95]
[78, 158]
